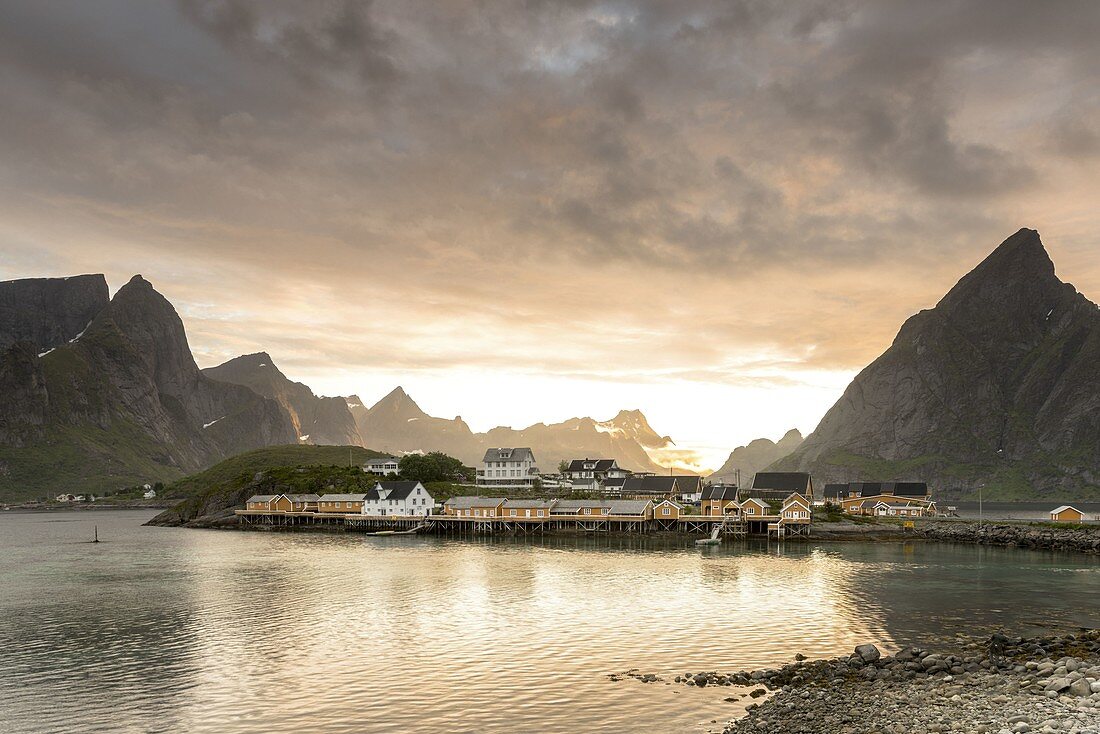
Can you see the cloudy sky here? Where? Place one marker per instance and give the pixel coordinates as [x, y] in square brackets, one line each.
[717, 212]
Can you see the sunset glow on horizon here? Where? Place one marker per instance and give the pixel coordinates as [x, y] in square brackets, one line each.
[715, 213]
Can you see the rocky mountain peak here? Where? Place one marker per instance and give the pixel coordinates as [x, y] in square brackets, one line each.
[1019, 271]
[156, 332]
[793, 436]
[398, 404]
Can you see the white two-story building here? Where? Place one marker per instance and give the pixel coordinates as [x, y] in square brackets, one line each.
[508, 469]
[383, 465]
[398, 499]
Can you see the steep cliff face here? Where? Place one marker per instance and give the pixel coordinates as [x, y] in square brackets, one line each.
[755, 456]
[997, 386]
[316, 420]
[122, 403]
[48, 312]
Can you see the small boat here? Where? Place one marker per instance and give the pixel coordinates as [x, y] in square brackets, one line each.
[713, 539]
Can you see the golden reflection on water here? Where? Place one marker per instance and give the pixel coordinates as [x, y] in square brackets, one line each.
[272, 632]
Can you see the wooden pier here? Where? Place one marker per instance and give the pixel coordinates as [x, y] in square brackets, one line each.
[728, 526]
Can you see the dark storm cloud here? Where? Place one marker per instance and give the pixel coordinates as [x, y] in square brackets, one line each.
[576, 147]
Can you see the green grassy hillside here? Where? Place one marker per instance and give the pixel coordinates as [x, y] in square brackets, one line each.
[275, 470]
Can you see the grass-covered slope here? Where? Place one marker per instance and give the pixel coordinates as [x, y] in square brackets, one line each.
[214, 493]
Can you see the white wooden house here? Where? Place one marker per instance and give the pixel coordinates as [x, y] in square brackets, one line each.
[398, 499]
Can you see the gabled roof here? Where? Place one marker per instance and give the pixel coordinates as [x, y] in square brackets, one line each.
[342, 497]
[835, 491]
[261, 498]
[614, 482]
[661, 484]
[517, 454]
[598, 464]
[302, 497]
[796, 499]
[756, 501]
[398, 490]
[791, 481]
[1063, 508]
[463, 503]
[688, 484]
[667, 501]
[382, 460]
[629, 507]
[723, 492]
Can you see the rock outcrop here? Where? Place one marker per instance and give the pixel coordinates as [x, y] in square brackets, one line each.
[997, 386]
[316, 420]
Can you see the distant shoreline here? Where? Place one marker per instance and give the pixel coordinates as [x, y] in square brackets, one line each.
[84, 507]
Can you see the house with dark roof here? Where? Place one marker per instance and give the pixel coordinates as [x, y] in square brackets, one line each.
[508, 468]
[660, 486]
[611, 486]
[778, 485]
[719, 500]
[598, 469]
[398, 499]
[861, 497]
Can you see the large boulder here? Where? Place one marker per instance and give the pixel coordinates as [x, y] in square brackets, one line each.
[868, 653]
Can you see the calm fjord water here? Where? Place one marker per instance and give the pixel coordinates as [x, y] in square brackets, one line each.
[177, 630]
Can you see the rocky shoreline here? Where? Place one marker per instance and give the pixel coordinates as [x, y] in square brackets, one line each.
[1014, 685]
[1021, 534]
[1084, 539]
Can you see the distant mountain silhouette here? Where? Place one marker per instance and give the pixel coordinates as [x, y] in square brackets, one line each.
[316, 420]
[757, 455]
[398, 425]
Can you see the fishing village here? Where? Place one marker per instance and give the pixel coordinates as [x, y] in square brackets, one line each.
[511, 498]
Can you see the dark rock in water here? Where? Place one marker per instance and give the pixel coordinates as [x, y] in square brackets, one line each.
[997, 383]
[700, 680]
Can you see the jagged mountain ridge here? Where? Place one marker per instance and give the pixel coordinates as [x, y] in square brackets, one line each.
[398, 425]
[997, 386]
[756, 456]
[317, 420]
[121, 402]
